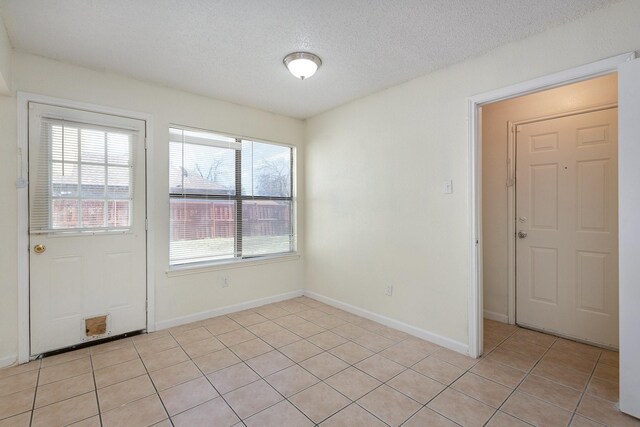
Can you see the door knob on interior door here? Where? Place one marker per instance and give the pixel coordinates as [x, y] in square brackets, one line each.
[522, 234]
[39, 248]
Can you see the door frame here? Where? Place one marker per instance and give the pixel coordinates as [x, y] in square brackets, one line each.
[512, 151]
[22, 186]
[474, 167]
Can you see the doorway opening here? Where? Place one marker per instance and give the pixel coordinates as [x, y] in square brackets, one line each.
[549, 209]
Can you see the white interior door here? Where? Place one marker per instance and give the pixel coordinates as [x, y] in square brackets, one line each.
[567, 226]
[87, 226]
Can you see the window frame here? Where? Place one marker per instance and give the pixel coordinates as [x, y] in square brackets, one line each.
[238, 198]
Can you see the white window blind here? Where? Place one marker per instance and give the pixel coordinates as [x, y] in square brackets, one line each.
[85, 178]
[229, 198]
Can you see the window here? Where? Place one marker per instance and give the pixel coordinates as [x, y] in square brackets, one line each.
[84, 180]
[230, 198]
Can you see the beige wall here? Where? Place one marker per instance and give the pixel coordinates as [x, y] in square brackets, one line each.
[5, 61]
[495, 139]
[178, 296]
[375, 166]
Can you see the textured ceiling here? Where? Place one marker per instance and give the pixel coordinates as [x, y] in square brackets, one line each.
[233, 49]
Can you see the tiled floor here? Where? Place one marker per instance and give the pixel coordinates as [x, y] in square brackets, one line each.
[303, 363]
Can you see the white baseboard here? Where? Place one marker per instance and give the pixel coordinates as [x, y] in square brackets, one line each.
[498, 317]
[8, 360]
[392, 323]
[202, 315]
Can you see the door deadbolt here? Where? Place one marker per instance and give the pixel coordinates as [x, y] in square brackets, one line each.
[39, 248]
[522, 234]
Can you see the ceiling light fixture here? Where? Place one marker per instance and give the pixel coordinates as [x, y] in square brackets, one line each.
[302, 64]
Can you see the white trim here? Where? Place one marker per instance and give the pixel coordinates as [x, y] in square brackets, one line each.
[392, 323]
[23, 98]
[493, 315]
[183, 270]
[584, 72]
[7, 361]
[202, 315]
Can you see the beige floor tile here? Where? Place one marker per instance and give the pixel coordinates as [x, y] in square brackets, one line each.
[604, 412]
[202, 347]
[291, 380]
[438, 369]
[150, 336]
[580, 421]
[500, 419]
[572, 346]
[606, 372]
[18, 382]
[535, 411]
[405, 353]
[112, 345]
[312, 314]
[329, 322]
[300, 350]
[64, 371]
[186, 327]
[271, 312]
[455, 358]
[515, 360]
[611, 358]
[482, 389]
[113, 357]
[250, 349]
[165, 358]
[252, 398]
[461, 408]
[118, 373]
[151, 347]
[236, 337]
[280, 339]
[522, 346]
[380, 367]
[280, 414]
[499, 373]
[16, 403]
[306, 329]
[215, 412]
[64, 389]
[67, 411]
[604, 389]
[88, 422]
[374, 342]
[187, 395]
[289, 320]
[428, 417]
[269, 363]
[64, 357]
[349, 331]
[389, 405]
[265, 328]
[561, 374]
[353, 383]
[127, 391]
[351, 352]
[569, 359]
[535, 337]
[353, 416]
[327, 340]
[22, 420]
[192, 335]
[173, 375]
[19, 369]
[551, 392]
[221, 325]
[416, 386]
[233, 377]
[143, 412]
[324, 365]
[217, 360]
[425, 346]
[247, 318]
[319, 402]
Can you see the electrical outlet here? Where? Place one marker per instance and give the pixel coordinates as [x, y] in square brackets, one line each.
[389, 290]
[224, 280]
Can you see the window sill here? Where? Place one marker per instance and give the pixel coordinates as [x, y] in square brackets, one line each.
[227, 265]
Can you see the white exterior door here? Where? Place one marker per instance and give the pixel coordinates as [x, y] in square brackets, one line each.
[567, 226]
[87, 236]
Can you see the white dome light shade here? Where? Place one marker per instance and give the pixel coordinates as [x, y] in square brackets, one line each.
[302, 64]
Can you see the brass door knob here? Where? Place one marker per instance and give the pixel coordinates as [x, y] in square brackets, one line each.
[39, 248]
